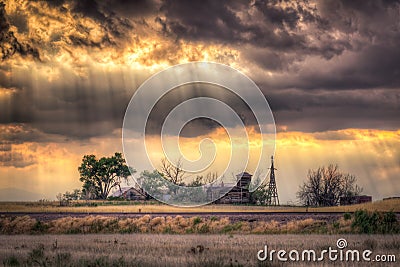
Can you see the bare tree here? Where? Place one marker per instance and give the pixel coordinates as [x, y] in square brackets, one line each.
[200, 180]
[210, 177]
[326, 185]
[60, 198]
[172, 172]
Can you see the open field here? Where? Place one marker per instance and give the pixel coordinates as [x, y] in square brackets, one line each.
[151, 207]
[176, 250]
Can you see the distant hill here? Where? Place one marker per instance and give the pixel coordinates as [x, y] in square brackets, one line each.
[15, 194]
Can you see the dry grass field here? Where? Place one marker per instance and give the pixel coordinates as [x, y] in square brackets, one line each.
[169, 225]
[178, 250]
[359, 222]
[151, 207]
[194, 240]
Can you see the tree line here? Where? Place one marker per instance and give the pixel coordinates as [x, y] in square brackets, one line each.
[322, 187]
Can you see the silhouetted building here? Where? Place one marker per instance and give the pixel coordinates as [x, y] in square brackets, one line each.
[355, 200]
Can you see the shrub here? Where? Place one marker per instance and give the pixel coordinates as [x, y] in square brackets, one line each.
[232, 227]
[213, 218]
[375, 222]
[347, 216]
[389, 223]
[364, 222]
[37, 257]
[168, 230]
[204, 229]
[336, 225]
[39, 227]
[196, 220]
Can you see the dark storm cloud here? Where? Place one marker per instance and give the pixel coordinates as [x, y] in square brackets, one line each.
[89, 8]
[327, 59]
[132, 9]
[198, 126]
[373, 67]
[198, 20]
[4, 146]
[279, 16]
[100, 10]
[282, 37]
[15, 134]
[80, 112]
[117, 27]
[334, 110]
[16, 159]
[266, 24]
[18, 133]
[9, 44]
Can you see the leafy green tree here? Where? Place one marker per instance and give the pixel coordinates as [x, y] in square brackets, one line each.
[99, 176]
[65, 198]
[74, 195]
[260, 196]
[153, 183]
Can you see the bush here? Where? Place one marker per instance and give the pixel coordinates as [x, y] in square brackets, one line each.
[347, 216]
[390, 224]
[39, 227]
[232, 227]
[375, 222]
[213, 218]
[204, 229]
[37, 257]
[364, 222]
[196, 221]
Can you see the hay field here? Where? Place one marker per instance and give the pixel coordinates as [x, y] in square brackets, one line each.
[177, 250]
[151, 207]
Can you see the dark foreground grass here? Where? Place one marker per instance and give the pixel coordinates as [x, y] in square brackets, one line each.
[178, 250]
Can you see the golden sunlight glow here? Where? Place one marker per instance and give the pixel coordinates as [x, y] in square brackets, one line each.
[296, 152]
[151, 51]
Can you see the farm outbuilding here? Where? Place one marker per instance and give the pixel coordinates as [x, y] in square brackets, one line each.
[130, 193]
[355, 200]
[239, 193]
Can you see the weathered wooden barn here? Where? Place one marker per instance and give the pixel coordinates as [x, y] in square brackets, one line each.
[239, 193]
[130, 193]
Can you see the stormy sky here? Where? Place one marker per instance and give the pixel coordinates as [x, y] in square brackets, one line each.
[330, 71]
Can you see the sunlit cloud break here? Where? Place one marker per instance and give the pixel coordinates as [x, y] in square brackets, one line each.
[69, 68]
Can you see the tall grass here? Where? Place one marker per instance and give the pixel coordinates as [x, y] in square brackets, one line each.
[361, 222]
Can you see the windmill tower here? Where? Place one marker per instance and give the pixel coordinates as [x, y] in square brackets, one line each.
[272, 190]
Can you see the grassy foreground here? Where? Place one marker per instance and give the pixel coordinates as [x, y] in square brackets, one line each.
[176, 250]
[154, 207]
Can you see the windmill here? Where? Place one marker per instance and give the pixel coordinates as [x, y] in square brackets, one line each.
[272, 194]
